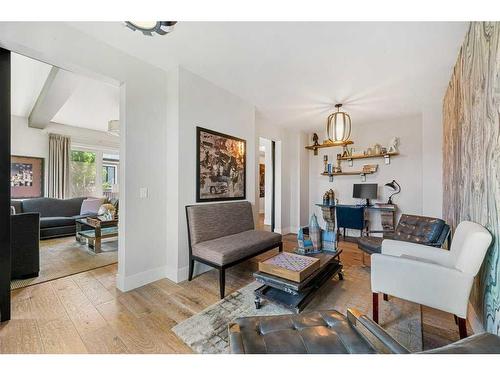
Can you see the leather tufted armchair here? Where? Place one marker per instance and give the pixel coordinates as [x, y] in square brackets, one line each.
[330, 332]
[321, 332]
[423, 230]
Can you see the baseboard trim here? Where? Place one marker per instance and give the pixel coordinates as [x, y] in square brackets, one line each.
[199, 268]
[474, 321]
[128, 283]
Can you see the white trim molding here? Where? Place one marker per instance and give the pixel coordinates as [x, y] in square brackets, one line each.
[139, 279]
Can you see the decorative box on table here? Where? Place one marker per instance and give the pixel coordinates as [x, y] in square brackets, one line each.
[290, 266]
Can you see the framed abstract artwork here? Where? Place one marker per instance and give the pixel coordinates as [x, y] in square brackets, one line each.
[262, 180]
[26, 177]
[220, 166]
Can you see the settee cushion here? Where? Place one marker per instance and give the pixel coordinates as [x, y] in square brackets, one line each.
[57, 221]
[228, 249]
[319, 332]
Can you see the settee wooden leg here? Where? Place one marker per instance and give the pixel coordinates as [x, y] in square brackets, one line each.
[191, 269]
[375, 307]
[280, 248]
[222, 282]
[386, 297]
[462, 328]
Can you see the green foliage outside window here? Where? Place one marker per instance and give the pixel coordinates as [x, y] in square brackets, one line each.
[83, 173]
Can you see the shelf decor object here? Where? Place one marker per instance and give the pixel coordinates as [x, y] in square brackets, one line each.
[386, 156]
[367, 169]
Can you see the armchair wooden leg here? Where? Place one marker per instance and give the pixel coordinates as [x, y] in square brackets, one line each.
[462, 328]
[375, 307]
[386, 297]
[191, 269]
[280, 249]
[222, 282]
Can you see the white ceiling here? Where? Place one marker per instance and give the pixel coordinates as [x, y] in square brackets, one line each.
[27, 79]
[91, 105]
[294, 72]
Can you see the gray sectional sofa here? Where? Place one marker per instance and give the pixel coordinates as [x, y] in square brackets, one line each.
[57, 216]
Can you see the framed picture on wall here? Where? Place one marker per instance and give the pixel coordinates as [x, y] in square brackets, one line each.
[262, 180]
[221, 166]
[26, 177]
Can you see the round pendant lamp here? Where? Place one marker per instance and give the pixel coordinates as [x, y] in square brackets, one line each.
[338, 127]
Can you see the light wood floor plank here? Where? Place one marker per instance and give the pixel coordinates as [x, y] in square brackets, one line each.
[20, 336]
[80, 310]
[59, 336]
[92, 288]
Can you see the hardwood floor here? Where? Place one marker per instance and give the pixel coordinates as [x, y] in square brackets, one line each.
[85, 313]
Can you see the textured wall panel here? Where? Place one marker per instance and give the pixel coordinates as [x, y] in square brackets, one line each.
[471, 149]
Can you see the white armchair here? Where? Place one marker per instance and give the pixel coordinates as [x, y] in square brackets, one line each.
[429, 276]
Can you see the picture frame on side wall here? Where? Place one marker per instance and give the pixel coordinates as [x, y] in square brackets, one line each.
[220, 166]
[26, 177]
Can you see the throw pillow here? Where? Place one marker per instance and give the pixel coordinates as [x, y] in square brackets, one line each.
[91, 206]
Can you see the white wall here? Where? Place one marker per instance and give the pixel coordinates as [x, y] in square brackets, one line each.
[26, 141]
[201, 103]
[432, 160]
[406, 168]
[143, 118]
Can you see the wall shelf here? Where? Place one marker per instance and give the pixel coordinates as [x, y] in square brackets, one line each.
[361, 173]
[328, 144]
[386, 156]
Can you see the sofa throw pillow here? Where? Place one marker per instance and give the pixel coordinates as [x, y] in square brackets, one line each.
[91, 206]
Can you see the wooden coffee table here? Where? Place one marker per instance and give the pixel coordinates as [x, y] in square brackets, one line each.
[295, 296]
[94, 236]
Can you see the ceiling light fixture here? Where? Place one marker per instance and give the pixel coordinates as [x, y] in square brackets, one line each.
[150, 27]
[338, 127]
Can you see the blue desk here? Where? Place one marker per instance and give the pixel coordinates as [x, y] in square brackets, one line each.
[387, 216]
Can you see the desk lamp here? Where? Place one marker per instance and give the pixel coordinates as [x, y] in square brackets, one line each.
[395, 187]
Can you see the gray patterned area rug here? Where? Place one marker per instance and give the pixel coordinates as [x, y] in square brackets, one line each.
[206, 332]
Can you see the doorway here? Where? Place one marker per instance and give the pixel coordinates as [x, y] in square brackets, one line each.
[267, 185]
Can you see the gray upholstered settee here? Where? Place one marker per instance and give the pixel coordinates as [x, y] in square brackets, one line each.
[57, 216]
[411, 228]
[222, 235]
[330, 332]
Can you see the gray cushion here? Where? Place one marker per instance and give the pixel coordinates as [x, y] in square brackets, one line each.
[209, 221]
[228, 249]
[51, 207]
[370, 244]
[58, 221]
[320, 332]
